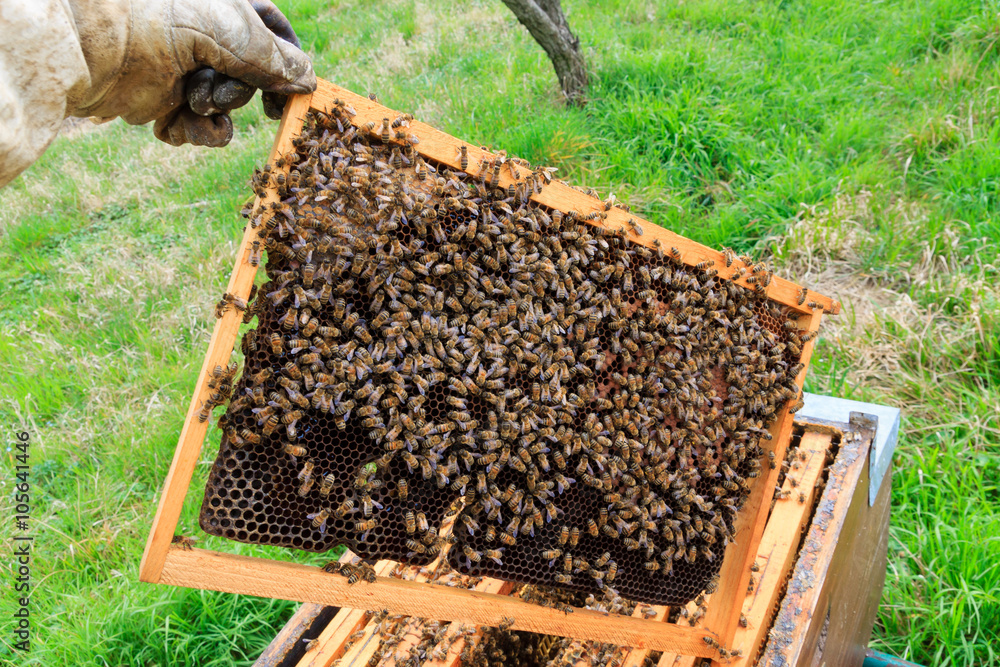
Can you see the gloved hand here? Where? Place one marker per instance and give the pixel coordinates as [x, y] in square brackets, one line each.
[186, 63]
[210, 92]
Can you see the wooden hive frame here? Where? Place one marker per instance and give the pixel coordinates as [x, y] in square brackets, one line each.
[165, 563]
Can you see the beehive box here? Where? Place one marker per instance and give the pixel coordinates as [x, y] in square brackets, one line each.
[255, 490]
[800, 608]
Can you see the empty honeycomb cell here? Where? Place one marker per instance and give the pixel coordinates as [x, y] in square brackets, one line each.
[593, 411]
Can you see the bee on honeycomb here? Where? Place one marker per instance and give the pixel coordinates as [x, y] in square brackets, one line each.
[431, 335]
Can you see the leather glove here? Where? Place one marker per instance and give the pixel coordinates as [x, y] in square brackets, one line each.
[185, 63]
[210, 92]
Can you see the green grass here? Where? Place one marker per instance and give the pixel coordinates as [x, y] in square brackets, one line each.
[856, 144]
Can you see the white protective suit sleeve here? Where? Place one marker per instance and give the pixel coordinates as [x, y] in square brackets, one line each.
[42, 67]
[133, 58]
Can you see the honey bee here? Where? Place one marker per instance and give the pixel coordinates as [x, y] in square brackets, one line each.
[352, 573]
[729, 255]
[183, 542]
[229, 300]
[364, 526]
[634, 226]
[277, 345]
[261, 376]
[307, 471]
[255, 253]
[367, 505]
[257, 395]
[305, 476]
[415, 546]
[327, 484]
[292, 370]
[319, 519]
[271, 424]
[411, 522]
[344, 509]
[363, 334]
[250, 436]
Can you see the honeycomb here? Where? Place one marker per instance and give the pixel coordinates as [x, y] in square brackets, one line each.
[595, 407]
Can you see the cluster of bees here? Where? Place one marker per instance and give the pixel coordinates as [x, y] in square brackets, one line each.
[406, 640]
[430, 640]
[434, 639]
[600, 407]
[220, 385]
[794, 460]
[566, 651]
[354, 572]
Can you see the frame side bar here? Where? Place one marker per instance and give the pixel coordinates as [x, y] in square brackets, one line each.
[734, 577]
[192, 437]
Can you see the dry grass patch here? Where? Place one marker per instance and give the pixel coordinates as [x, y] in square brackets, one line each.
[902, 324]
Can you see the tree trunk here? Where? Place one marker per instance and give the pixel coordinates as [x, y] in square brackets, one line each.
[546, 22]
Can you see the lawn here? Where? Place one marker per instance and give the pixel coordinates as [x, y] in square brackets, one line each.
[854, 144]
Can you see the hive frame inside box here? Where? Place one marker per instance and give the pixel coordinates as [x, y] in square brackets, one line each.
[204, 569]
